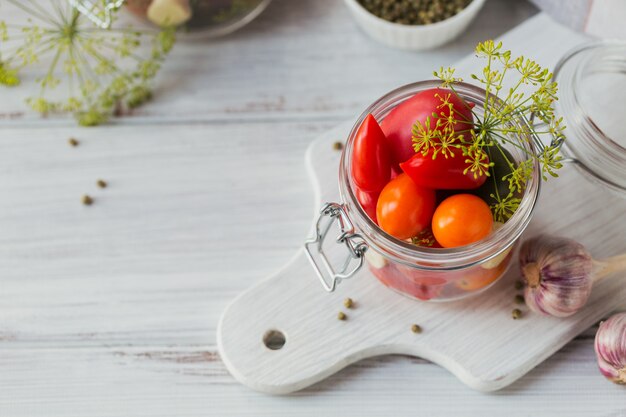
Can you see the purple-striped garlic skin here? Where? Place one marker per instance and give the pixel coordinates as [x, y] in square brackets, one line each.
[557, 273]
[610, 348]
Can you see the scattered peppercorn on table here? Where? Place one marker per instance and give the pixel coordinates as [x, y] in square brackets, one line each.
[110, 308]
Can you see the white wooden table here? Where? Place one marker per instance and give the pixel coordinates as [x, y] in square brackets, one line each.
[111, 310]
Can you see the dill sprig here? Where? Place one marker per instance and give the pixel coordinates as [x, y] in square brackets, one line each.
[508, 120]
[104, 70]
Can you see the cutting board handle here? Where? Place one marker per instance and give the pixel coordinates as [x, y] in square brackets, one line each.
[284, 334]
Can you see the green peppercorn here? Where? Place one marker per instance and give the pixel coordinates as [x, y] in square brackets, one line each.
[516, 314]
[519, 285]
[338, 146]
[102, 183]
[519, 299]
[416, 328]
[73, 142]
[414, 12]
[87, 200]
[341, 316]
[348, 303]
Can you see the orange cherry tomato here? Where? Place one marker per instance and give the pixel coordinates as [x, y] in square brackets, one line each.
[479, 278]
[404, 208]
[460, 220]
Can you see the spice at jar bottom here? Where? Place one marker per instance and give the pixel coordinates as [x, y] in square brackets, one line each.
[414, 12]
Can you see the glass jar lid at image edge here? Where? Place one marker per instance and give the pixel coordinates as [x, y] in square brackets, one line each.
[592, 80]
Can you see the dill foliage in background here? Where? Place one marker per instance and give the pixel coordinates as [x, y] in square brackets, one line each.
[102, 71]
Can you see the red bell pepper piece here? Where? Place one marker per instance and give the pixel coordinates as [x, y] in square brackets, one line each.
[443, 173]
[371, 164]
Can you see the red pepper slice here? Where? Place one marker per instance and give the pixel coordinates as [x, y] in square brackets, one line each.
[443, 173]
[371, 163]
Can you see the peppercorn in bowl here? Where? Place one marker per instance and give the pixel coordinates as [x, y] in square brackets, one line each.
[414, 24]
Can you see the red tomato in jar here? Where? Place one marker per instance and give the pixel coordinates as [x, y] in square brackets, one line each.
[460, 220]
[404, 208]
[398, 124]
[371, 162]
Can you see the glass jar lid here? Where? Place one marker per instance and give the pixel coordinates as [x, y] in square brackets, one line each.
[592, 87]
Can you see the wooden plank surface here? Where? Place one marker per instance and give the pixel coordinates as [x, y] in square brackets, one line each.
[111, 310]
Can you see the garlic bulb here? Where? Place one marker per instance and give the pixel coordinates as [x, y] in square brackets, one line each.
[559, 274]
[610, 348]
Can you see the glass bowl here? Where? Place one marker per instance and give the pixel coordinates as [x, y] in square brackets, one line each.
[209, 18]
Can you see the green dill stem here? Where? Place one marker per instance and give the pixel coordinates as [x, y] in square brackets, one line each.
[33, 13]
[509, 163]
[55, 61]
[488, 83]
[92, 52]
[35, 4]
[85, 63]
[41, 48]
[20, 27]
[116, 70]
[517, 145]
[57, 7]
[464, 103]
[493, 172]
[112, 47]
[121, 30]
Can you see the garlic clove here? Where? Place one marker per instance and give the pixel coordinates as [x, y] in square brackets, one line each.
[557, 273]
[495, 262]
[375, 259]
[169, 12]
[610, 347]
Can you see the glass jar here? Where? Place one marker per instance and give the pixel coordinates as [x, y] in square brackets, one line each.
[592, 82]
[419, 272]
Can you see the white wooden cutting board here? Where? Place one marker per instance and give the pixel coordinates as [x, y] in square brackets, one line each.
[475, 339]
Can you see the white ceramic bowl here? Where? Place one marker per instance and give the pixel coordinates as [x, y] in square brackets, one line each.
[414, 37]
